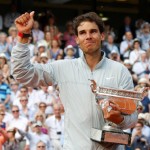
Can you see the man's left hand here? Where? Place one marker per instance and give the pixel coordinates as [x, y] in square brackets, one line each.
[112, 112]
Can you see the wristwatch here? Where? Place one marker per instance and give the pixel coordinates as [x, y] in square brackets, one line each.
[24, 35]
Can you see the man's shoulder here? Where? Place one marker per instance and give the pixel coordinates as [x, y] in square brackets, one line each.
[5, 84]
[66, 62]
[51, 118]
[123, 42]
[114, 64]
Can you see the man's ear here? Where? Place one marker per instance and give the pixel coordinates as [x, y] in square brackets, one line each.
[77, 40]
[103, 36]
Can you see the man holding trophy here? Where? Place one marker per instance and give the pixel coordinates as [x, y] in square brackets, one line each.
[73, 78]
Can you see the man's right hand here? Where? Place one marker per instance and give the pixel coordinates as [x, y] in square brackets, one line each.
[24, 23]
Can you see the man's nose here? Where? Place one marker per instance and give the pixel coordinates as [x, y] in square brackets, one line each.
[88, 35]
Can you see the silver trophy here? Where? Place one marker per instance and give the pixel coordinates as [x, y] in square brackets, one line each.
[126, 101]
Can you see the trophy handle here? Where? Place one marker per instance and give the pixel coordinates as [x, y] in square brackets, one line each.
[93, 86]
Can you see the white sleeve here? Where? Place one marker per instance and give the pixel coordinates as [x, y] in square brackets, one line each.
[26, 73]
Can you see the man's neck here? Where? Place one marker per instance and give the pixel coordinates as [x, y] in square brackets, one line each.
[15, 91]
[93, 60]
[38, 133]
[58, 117]
[12, 139]
[24, 107]
[16, 118]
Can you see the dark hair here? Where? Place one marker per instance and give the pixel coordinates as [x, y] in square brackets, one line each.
[92, 17]
[140, 122]
[24, 87]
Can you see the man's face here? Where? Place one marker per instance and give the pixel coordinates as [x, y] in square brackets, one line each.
[57, 112]
[23, 92]
[24, 102]
[36, 25]
[89, 37]
[37, 129]
[15, 112]
[41, 146]
[14, 86]
[129, 36]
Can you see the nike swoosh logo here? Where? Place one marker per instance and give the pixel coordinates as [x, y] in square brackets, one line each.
[108, 78]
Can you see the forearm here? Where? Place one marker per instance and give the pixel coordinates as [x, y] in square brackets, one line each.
[129, 121]
[24, 134]
[24, 72]
[4, 133]
[23, 40]
[7, 99]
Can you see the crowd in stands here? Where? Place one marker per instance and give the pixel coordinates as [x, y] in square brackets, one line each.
[33, 118]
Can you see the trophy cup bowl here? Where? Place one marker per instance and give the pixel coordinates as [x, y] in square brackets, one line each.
[126, 100]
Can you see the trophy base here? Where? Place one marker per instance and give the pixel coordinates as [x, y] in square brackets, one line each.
[110, 136]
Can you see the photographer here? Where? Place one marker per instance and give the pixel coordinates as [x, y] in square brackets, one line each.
[138, 140]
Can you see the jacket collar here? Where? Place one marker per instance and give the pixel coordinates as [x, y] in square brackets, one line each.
[100, 63]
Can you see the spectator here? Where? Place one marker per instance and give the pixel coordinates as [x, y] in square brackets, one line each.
[145, 36]
[18, 121]
[127, 26]
[41, 146]
[40, 117]
[138, 139]
[51, 23]
[108, 30]
[12, 38]
[114, 55]
[44, 58]
[55, 49]
[37, 33]
[41, 48]
[143, 82]
[138, 25]
[140, 107]
[3, 137]
[5, 47]
[33, 97]
[129, 67]
[126, 45]
[2, 123]
[135, 54]
[23, 92]
[31, 47]
[12, 143]
[69, 36]
[55, 124]
[8, 116]
[109, 45]
[10, 17]
[4, 66]
[14, 91]
[37, 136]
[42, 107]
[25, 111]
[48, 39]
[142, 68]
[70, 52]
[4, 91]
[46, 97]
[59, 57]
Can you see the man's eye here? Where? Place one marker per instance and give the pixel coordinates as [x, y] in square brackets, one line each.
[81, 33]
[94, 31]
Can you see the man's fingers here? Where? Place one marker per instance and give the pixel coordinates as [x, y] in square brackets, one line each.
[32, 14]
[23, 19]
[114, 106]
